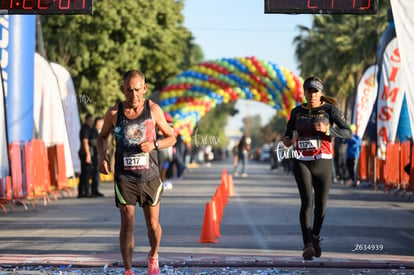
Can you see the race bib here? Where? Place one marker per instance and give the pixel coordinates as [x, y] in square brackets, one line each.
[309, 144]
[136, 161]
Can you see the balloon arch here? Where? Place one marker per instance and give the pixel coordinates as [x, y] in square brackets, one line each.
[191, 94]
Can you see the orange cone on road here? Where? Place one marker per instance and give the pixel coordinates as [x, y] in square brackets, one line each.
[219, 203]
[230, 185]
[224, 172]
[224, 181]
[207, 232]
[216, 222]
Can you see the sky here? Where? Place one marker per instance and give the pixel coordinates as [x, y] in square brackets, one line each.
[230, 28]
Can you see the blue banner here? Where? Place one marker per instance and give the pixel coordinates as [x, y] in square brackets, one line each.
[404, 126]
[17, 48]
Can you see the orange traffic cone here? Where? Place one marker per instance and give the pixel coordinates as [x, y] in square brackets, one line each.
[216, 222]
[230, 192]
[207, 232]
[220, 203]
[224, 182]
[224, 173]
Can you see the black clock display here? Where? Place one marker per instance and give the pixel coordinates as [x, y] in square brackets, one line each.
[46, 6]
[321, 6]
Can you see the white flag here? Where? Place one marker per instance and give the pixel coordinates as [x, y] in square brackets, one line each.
[403, 11]
[366, 95]
[390, 94]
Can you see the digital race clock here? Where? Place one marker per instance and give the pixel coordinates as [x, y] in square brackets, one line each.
[46, 6]
[321, 6]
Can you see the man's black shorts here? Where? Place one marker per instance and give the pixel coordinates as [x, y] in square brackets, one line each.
[143, 193]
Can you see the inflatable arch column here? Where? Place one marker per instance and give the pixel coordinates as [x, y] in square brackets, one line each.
[17, 46]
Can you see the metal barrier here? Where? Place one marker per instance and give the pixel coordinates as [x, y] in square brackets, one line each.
[37, 172]
[390, 171]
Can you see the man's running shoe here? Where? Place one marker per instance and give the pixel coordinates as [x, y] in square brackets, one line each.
[129, 272]
[153, 267]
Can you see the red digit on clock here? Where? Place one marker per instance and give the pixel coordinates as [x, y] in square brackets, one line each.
[312, 6]
[43, 4]
[14, 4]
[350, 4]
[368, 5]
[28, 4]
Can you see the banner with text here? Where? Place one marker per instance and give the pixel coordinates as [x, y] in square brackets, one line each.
[366, 95]
[390, 94]
[403, 11]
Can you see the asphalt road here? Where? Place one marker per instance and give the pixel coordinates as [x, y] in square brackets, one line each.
[364, 229]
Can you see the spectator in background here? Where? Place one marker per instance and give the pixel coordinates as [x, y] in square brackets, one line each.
[85, 156]
[235, 155]
[208, 154]
[340, 160]
[352, 155]
[95, 163]
[274, 162]
[165, 157]
[242, 156]
[179, 156]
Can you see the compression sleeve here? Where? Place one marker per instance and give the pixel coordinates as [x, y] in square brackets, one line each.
[291, 125]
[343, 130]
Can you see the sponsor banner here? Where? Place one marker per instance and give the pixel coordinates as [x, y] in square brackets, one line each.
[390, 94]
[366, 95]
[70, 109]
[403, 11]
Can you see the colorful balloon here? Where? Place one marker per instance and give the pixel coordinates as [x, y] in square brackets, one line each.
[193, 93]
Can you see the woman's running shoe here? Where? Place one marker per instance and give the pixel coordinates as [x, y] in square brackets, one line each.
[316, 246]
[308, 252]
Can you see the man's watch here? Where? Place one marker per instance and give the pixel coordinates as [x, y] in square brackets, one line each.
[156, 145]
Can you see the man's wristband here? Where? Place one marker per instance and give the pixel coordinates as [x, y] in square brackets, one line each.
[156, 145]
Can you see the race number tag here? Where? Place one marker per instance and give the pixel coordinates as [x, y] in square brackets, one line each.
[309, 144]
[136, 162]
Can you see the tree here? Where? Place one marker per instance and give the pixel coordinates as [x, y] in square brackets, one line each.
[120, 35]
[274, 129]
